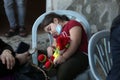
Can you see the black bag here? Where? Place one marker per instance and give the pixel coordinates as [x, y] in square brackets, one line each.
[31, 72]
[22, 47]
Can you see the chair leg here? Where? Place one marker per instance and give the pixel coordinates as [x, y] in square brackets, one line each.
[83, 76]
[87, 75]
[53, 78]
[91, 77]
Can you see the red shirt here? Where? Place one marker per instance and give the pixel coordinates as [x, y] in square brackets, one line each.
[84, 42]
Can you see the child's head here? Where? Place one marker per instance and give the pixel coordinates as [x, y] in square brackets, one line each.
[52, 23]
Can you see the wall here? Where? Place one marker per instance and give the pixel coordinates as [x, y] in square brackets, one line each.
[99, 13]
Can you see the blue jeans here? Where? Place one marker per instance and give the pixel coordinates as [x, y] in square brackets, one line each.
[10, 6]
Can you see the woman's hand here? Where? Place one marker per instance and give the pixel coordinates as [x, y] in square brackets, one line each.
[59, 60]
[50, 51]
[7, 58]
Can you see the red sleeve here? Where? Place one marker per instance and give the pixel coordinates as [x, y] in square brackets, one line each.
[73, 23]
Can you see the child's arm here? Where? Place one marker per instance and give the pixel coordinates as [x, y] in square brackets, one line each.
[75, 36]
[51, 48]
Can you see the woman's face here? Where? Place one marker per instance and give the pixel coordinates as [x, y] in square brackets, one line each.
[51, 28]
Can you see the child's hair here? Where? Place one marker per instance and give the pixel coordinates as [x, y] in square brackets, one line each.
[49, 18]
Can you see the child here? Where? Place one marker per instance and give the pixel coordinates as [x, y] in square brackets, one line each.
[74, 60]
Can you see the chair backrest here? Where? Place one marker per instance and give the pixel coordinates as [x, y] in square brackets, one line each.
[71, 14]
[100, 59]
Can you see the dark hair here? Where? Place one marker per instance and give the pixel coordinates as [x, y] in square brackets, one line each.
[49, 18]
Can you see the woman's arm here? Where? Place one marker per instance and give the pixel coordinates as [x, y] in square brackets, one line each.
[4, 46]
[6, 54]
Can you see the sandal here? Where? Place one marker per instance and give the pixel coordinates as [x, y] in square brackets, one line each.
[11, 32]
[22, 32]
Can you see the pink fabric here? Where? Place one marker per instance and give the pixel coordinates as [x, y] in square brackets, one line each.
[8, 77]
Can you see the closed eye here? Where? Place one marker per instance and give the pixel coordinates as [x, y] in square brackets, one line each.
[49, 28]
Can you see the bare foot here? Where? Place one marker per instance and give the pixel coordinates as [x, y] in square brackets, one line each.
[23, 57]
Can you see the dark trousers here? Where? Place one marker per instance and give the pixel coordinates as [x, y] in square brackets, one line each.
[75, 65]
[4, 71]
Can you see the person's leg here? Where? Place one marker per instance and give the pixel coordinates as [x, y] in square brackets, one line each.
[10, 13]
[72, 67]
[21, 10]
[9, 9]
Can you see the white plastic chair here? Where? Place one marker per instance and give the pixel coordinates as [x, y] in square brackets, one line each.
[71, 14]
[100, 59]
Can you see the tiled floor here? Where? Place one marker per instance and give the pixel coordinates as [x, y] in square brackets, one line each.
[34, 10]
[15, 40]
